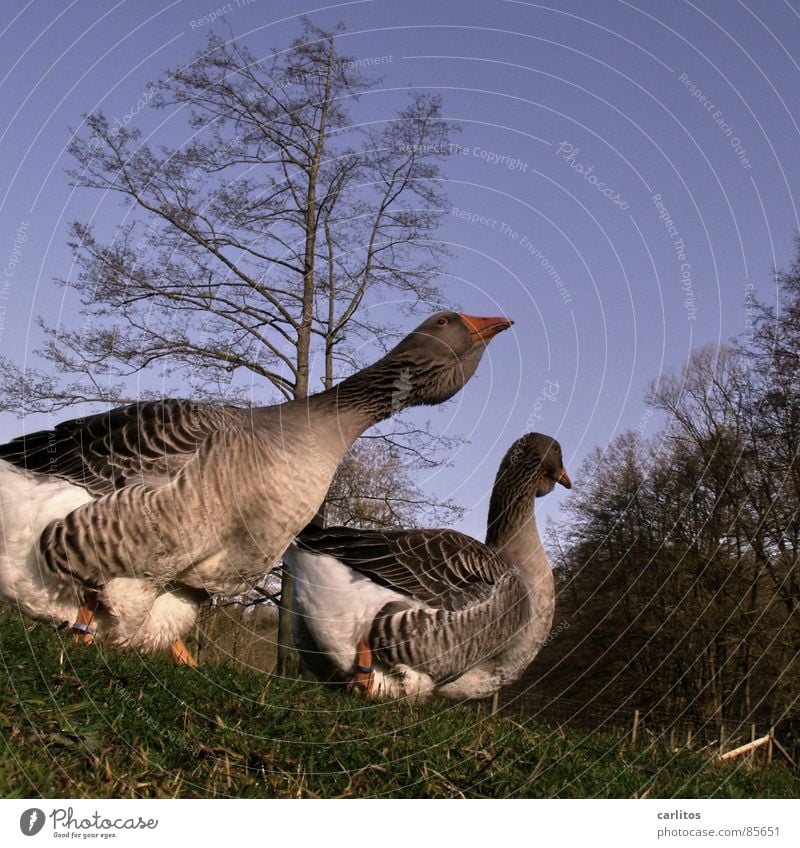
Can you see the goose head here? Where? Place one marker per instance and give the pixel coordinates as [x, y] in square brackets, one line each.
[551, 464]
[533, 460]
[436, 359]
[530, 469]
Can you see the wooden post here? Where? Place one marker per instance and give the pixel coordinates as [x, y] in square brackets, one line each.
[769, 747]
[689, 738]
[721, 739]
[753, 739]
[635, 728]
[672, 738]
[744, 749]
[495, 702]
[198, 639]
[783, 751]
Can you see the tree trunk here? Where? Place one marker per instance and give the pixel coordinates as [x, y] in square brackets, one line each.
[288, 663]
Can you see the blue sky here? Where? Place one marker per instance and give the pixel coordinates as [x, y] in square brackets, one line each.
[626, 171]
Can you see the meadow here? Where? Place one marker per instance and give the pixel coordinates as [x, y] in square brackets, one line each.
[87, 721]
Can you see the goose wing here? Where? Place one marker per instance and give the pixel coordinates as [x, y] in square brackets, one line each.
[443, 569]
[143, 442]
[474, 600]
[447, 643]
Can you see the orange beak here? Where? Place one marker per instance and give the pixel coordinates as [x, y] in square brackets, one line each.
[563, 478]
[484, 329]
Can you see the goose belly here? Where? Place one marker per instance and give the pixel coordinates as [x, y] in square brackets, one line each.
[28, 502]
[145, 616]
[248, 520]
[133, 613]
[504, 668]
[334, 604]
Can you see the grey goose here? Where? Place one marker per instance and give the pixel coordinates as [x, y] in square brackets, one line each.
[120, 523]
[415, 613]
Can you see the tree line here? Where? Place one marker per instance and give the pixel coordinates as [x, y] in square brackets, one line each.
[677, 557]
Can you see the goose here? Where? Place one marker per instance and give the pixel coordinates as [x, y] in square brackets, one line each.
[119, 524]
[128, 611]
[421, 613]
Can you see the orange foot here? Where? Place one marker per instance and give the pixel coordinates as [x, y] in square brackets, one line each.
[364, 678]
[84, 632]
[180, 653]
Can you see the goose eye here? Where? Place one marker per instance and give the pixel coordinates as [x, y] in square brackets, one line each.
[441, 322]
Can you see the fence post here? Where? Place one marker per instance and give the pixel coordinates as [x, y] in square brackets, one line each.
[722, 739]
[784, 752]
[753, 739]
[495, 702]
[672, 738]
[769, 746]
[635, 728]
[689, 738]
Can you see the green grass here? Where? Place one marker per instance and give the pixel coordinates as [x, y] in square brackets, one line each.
[78, 721]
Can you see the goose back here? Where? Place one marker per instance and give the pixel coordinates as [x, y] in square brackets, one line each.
[129, 444]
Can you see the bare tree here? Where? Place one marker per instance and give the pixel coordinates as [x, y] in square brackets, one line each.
[373, 488]
[270, 228]
[219, 273]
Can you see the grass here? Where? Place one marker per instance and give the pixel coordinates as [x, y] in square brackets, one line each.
[78, 721]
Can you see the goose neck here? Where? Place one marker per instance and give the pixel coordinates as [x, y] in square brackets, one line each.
[512, 529]
[374, 393]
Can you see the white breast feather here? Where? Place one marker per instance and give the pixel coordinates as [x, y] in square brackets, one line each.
[28, 503]
[337, 604]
